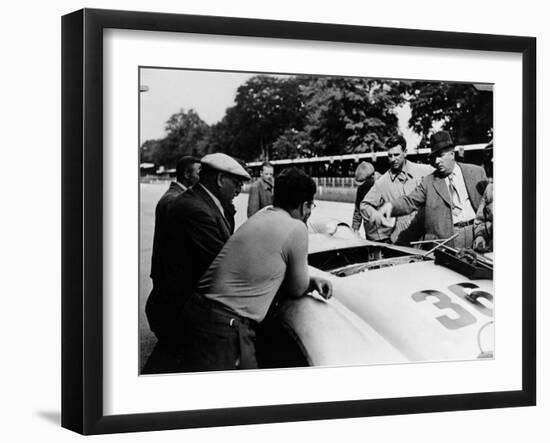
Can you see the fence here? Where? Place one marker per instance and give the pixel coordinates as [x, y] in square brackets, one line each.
[328, 188]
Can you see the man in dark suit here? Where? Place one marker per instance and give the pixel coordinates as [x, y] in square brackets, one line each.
[199, 222]
[450, 195]
[187, 175]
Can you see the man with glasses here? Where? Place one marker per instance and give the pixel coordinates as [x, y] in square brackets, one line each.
[199, 222]
[267, 255]
[450, 195]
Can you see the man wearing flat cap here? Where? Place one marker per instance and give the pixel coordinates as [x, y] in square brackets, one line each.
[401, 178]
[200, 221]
[450, 195]
[365, 176]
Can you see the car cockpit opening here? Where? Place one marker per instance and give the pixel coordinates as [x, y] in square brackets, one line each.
[353, 260]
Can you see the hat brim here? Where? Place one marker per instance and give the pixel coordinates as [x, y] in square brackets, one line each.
[440, 148]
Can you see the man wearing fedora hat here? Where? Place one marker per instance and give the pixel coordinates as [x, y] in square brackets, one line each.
[400, 179]
[199, 223]
[450, 195]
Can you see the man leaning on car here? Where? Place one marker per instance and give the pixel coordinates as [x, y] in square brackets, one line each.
[268, 252]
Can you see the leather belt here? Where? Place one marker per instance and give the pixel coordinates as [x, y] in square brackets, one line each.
[222, 311]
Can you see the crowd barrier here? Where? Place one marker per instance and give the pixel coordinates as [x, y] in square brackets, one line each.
[328, 188]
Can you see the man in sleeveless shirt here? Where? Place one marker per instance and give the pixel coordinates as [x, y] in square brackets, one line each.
[268, 253]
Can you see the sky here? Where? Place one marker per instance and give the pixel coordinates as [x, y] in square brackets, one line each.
[209, 93]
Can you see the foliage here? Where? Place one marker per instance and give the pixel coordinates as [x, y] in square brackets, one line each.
[275, 117]
[291, 144]
[346, 115]
[461, 109]
[265, 107]
[186, 135]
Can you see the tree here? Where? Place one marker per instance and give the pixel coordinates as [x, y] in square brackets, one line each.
[186, 135]
[459, 108]
[346, 115]
[265, 107]
[291, 144]
[148, 150]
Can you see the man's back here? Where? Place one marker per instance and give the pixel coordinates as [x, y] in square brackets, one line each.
[161, 223]
[251, 267]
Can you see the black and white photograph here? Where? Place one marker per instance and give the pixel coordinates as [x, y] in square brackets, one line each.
[297, 220]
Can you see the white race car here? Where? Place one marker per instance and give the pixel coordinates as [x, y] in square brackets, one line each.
[390, 304]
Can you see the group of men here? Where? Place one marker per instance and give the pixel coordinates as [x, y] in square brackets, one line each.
[448, 200]
[211, 286]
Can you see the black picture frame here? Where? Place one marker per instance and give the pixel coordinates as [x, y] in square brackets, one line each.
[82, 218]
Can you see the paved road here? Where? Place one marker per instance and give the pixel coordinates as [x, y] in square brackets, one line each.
[150, 193]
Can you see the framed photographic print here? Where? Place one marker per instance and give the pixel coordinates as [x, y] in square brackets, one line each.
[270, 221]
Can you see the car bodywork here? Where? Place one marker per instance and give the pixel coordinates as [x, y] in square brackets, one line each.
[390, 304]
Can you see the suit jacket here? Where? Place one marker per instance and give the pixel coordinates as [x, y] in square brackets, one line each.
[159, 238]
[357, 218]
[260, 195]
[483, 225]
[432, 194]
[196, 231]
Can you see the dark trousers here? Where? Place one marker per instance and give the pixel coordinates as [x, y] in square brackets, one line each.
[166, 358]
[215, 338]
[163, 315]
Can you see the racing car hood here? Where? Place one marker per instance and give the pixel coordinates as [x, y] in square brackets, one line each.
[427, 312]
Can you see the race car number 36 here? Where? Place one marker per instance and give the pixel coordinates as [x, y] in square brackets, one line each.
[480, 300]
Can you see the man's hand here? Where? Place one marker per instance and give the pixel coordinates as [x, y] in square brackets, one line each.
[479, 244]
[376, 218]
[385, 210]
[321, 285]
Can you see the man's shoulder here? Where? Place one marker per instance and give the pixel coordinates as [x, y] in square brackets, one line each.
[192, 200]
[468, 167]
[420, 167]
[430, 177]
[257, 184]
[171, 194]
[270, 219]
[384, 178]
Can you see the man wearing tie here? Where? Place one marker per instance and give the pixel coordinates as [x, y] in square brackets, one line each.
[450, 195]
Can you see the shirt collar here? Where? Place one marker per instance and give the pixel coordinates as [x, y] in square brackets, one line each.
[214, 198]
[267, 185]
[403, 175]
[181, 185]
[456, 173]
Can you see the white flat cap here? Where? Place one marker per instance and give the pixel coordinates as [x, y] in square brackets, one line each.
[363, 171]
[225, 163]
